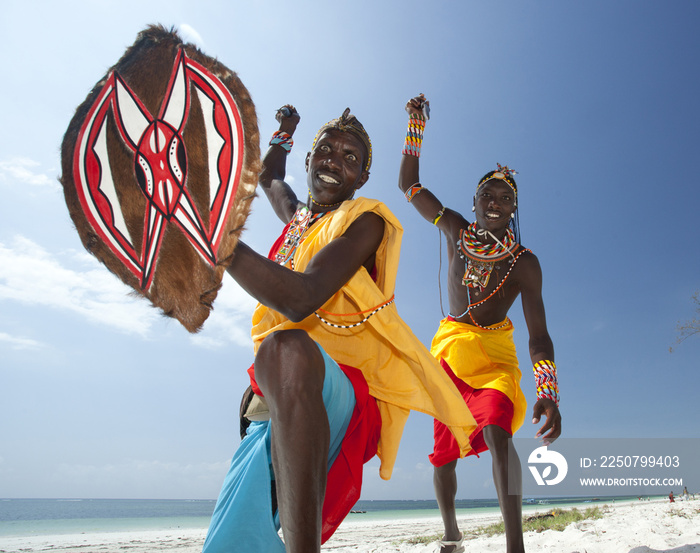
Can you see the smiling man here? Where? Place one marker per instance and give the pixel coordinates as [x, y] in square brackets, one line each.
[487, 270]
[336, 370]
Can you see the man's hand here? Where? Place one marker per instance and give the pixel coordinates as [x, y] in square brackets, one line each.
[288, 118]
[415, 105]
[551, 429]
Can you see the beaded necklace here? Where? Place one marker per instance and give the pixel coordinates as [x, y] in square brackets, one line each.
[480, 256]
[303, 219]
[330, 205]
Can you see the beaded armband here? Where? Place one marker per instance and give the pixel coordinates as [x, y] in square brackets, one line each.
[413, 191]
[546, 380]
[439, 216]
[414, 135]
[283, 139]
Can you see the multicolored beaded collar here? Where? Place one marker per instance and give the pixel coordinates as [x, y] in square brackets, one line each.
[481, 256]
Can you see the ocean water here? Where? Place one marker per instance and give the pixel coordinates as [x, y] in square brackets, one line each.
[35, 517]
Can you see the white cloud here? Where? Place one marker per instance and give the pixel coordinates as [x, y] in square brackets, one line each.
[31, 275]
[22, 170]
[18, 343]
[189, 34]
[75, 281]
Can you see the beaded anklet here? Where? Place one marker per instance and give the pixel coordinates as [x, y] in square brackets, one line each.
[283, 139]
[413, 191]
[546, 380]
[414, 135]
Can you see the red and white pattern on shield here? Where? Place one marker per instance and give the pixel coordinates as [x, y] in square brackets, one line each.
[160, 164]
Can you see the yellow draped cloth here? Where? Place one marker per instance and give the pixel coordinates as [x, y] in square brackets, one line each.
[399, 370]
[483, 359]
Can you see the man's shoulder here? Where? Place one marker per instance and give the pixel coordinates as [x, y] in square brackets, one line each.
[359, 206]
[527, 261]
[366, 204]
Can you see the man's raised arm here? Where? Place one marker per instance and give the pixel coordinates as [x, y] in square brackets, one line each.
[281, 196]
[422, 199]
[297, 295]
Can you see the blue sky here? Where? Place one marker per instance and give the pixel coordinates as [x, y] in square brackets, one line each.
[594, 103]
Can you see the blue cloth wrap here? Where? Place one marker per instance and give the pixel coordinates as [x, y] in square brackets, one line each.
[243, 520]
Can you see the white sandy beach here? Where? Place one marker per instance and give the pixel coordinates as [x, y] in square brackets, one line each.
[635, 527]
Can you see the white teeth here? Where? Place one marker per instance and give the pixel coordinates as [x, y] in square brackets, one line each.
[492, 215]
[329, 180]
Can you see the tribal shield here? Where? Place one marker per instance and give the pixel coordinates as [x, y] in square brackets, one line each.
[160, 164]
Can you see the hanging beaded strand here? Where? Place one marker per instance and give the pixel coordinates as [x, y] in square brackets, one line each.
[303, 219]
[369, 312]
[472, 306]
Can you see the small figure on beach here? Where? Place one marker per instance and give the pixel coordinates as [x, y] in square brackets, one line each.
[487, 269]
[336, 369]
[670, 498]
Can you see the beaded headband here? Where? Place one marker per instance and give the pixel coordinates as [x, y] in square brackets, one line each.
[348, 123]
[503, 173]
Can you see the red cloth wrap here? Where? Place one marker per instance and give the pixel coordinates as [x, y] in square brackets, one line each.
[487, 406]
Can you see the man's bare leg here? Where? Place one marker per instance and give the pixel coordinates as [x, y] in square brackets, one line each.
[511, 504]
[445, 483]
[290, 370]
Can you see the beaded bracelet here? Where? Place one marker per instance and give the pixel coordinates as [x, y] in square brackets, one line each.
[414, 135]
[439, 216]
[413, 191]
[283, 139]
[546, 380]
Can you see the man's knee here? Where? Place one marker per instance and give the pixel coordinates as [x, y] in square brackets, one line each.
[445, 471]
[289, 360]
[496, 438]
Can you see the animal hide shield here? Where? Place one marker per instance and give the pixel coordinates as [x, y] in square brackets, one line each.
[160, 165]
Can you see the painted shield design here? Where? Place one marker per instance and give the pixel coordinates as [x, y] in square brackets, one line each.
[160, 165]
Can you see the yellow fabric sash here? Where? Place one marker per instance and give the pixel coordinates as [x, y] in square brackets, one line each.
[483, 359]
[400, 372]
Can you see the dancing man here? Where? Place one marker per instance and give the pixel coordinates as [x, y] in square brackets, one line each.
[338, 369]
[487, 269]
